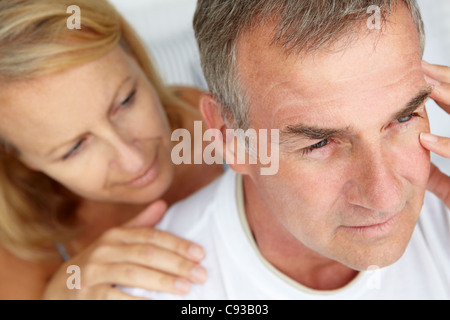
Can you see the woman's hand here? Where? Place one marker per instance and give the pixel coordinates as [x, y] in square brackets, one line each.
[439, 78]
[134, 255]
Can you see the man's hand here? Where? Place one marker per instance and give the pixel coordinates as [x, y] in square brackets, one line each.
[439, 78]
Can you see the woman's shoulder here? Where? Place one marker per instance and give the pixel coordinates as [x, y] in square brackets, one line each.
[193, 176]
[189, 95]
[190, 113]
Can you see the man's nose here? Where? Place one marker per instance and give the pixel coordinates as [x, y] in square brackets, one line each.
[374, 184]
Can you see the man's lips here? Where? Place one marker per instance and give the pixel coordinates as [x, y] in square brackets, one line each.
[374, 229]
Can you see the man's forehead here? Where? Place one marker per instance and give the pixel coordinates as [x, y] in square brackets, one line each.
[349, 108]
[267, 70]
[262, 65]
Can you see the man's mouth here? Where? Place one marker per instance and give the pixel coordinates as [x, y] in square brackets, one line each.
[374, 230]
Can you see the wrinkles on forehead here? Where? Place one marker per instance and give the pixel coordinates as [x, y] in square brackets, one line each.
[370, 68]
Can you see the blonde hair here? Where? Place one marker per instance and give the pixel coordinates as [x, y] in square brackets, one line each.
[35, 211]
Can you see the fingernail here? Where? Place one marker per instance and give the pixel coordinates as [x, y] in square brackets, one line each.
[431, 81]
[427, 137]
[196, 252]
[199, 273]
[182, 285]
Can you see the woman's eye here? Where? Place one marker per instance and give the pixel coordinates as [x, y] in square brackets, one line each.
[128, 99]
[74, 150]
[124, 104]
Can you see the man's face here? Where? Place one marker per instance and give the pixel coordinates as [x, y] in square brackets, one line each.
[352, 172]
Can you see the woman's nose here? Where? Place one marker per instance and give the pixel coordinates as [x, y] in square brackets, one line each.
[129, 157]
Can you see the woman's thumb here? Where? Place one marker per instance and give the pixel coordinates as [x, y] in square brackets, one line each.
[150, 216]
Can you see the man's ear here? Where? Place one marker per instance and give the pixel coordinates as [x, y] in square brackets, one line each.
[209, 108]
[211, 111]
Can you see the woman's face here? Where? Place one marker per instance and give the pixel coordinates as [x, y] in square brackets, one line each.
[98, 129]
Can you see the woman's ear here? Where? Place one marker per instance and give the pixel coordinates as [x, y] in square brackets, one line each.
[231, 146]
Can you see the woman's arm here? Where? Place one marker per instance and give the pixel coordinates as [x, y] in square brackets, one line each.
[23, 280]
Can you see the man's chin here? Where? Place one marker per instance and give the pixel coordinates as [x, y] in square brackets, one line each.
[374, 260]
[380, 246]
[380, 254]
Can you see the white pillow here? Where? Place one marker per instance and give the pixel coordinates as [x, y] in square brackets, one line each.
[166, 28]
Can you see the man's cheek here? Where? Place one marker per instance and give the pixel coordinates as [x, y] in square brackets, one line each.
[413, 162]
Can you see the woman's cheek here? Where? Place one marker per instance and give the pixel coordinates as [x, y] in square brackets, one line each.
[84, 180]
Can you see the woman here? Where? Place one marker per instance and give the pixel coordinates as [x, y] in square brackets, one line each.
[85, 127]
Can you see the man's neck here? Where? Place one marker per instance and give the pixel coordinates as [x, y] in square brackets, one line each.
[286, 253]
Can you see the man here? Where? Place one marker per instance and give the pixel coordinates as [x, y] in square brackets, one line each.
[344, 84]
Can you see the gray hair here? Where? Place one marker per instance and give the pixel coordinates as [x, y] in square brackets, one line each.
[302, 26]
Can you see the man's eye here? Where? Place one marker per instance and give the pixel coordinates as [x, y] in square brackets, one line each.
[316, 146]
[321, 144]
[408, 118]
[405, 119]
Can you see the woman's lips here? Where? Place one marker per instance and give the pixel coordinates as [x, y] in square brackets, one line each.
[145, 178]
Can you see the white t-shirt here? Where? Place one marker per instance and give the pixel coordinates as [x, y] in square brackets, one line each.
[214, 217]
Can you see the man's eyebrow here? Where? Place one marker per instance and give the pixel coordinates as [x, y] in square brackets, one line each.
[316, 133]
[413, 104]
[79, 137]
[313, 133]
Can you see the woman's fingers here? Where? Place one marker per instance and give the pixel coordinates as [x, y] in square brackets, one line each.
[133, 276]
[154, 258]
[157, 238]
[144, 258]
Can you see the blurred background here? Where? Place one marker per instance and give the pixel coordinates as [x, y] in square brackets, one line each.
[166, 28]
